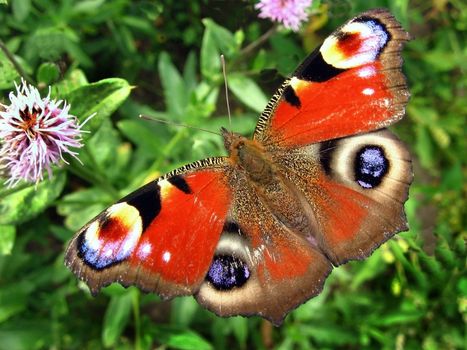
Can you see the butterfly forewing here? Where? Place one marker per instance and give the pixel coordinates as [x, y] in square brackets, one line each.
[161, 237]
[351, 84]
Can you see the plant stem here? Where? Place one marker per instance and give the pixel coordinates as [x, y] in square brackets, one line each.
[253, 45]
[137, 318]
[15, 63]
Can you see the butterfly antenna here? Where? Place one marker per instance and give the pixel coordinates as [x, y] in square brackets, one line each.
[169, 122]
[226, 90]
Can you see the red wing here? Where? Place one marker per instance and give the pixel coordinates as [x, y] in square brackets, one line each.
[351, 84]
[160, 238]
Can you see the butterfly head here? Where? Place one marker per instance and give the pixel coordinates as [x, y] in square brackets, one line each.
[232, 141]
[248, 155]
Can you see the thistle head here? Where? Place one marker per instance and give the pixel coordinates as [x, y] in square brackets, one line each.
[35, 133]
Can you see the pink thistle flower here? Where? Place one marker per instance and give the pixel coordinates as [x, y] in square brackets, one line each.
[291, 13]
[35, 132]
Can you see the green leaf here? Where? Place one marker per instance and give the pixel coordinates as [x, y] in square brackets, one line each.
[8, 73]
[187, 340]
[424, 146]
[419, 275]
[331, 335]
[74, 79]
[224, 39]
[207, 95]
[140, 134]
[89, 7]
[25, 334]
[178, 338]
[103, 98]
[453, 177]
[115, 290]
[373, 266]
[7, 238]
[247, 91]
[240, 329]
[440, 136]
[137, 22]
[210, 58]
[47, 73]
[116, 318]
[21, 9]
[102, 148]
[399, 9]
[47, 43]
[73, 48]
[286, 53]
[124, 39]
[399, 317]
[81, 206]
[175, 91]
[443, 61]
[183, 311]
[14, 299]
[189, 72]
[17, 206]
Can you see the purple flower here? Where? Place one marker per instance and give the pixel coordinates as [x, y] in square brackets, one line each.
[35, 132]
[291, 13]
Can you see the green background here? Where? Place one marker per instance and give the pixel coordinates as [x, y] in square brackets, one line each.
[123, 58]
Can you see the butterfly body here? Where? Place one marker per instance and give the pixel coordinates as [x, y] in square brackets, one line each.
[253, 166]
[321, 182]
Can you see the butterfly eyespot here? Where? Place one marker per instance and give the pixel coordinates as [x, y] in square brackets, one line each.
[227, 272]
[371, 165]
[357, 43]
[112, 238]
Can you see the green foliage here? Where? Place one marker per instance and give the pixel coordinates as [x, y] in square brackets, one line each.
[22, 203]
[162, 59]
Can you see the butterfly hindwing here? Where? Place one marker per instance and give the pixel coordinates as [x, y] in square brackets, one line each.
[356, 188]
[161, 237]
[351, 84]
[260, 266]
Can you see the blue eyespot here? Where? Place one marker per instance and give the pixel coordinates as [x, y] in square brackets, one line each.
[371, 165]
[227, 272]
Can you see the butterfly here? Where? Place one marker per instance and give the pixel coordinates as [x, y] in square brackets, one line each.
[257, 232]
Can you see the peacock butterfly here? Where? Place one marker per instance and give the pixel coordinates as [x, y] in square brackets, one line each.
[257, 232]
